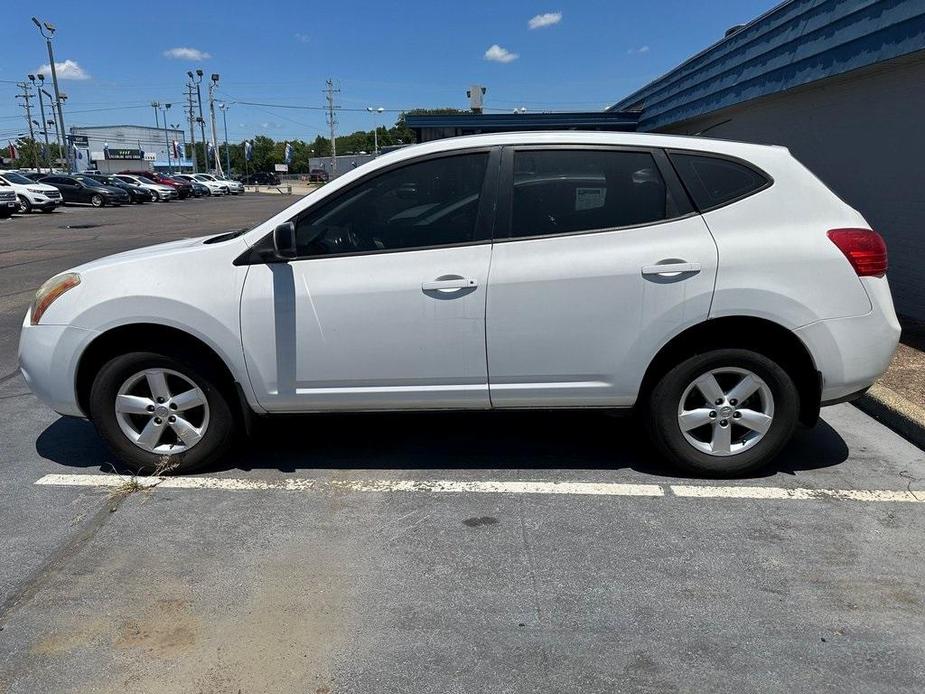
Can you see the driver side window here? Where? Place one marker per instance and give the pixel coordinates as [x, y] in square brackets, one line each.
[429, 203]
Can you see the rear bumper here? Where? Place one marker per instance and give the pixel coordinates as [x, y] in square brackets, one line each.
[851, 353]
[48, 359]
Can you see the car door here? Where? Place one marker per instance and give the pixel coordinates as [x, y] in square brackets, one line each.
[384, 305]
[67, 186]
[598, 262]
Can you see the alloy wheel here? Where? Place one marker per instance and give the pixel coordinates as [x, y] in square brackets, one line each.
[162, 411]
[726, 411]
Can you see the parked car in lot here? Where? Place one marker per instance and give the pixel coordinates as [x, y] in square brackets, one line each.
[8, 203]
[30, 194]
[719, 289]
[183, 188]
[212, 187]
[200, 190]
[83, 188]
[234, 187]
[157, 191]
[318, 176]
[261, 178]
[135, 192]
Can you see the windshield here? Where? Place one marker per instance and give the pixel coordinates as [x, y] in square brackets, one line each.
[89, 182]
[13, 177]
[205, 177]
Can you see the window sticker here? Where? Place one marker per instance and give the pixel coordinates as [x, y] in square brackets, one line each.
[589, 198]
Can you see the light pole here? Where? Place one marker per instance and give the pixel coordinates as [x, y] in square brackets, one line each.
[224, 108]
[42, 110]
[212, 86]
[165, 108]
[50, 28]
[202, 121]
[376, 112]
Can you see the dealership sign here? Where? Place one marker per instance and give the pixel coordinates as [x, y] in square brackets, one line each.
[281, 167]
[116, 153]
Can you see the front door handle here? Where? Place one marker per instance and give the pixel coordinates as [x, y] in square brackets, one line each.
[670, 269]
[449, 284]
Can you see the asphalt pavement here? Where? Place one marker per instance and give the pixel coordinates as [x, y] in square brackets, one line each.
[471, 552]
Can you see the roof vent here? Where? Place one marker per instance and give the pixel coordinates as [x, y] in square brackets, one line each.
[734, 29]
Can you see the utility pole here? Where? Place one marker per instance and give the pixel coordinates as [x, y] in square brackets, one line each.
[54, 122]
[330, 91]
[213, 84]
[25, 96]
[50, 28]
[224, 108]
[192, 121]
[42, 111]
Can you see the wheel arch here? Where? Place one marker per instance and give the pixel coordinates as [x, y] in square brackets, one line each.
[142, 337]
[744, 332]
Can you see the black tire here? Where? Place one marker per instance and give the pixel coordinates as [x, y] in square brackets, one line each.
[661, 413]
[97, 200]
[216, 440]
[25, 207]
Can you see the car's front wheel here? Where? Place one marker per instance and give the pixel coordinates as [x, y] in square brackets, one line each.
[97, 200]
[25, 205]
[161, 414]
[723, 412]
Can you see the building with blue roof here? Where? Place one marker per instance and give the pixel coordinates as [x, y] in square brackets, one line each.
[841, 83]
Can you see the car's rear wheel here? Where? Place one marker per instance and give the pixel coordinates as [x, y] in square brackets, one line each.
[97, 200]
[25, 206]
[723, 412]
[161, 414]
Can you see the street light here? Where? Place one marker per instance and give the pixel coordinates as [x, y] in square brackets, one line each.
[212, 86]
[181, 151]
[375, 111]
[50, 28]
[165, 108]
[202, 123]
[52, 121]
[224, 108]
[39, 89]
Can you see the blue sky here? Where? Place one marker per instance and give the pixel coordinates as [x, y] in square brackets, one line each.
[418, 53]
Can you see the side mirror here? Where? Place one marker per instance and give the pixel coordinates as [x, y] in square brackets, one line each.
[284, 241]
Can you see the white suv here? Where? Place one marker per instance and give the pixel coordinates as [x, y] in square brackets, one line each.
[718, 288]
[31, 195]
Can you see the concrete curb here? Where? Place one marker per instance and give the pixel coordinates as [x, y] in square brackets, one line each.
[893, 410]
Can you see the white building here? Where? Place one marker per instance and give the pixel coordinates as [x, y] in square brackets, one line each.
[111, 148]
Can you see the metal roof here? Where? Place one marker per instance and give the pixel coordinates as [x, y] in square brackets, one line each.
[496, 122]
[797, 42]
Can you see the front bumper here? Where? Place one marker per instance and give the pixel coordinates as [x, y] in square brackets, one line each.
[48, 359]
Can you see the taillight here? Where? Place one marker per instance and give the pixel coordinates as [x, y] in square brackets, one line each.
[864, 249]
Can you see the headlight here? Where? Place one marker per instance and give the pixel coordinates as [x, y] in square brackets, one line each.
[50, 291]
[36, 190]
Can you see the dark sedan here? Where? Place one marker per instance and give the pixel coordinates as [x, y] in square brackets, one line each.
[135, 193]
[199, 190]
[82, 188]
[261, 178]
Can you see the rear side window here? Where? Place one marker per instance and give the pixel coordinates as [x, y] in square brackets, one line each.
[564, 191]
[714, 181]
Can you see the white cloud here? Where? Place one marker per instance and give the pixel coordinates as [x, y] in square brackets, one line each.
[500, 55]
[186, 54]
[545, 20]
[68, 70]
[302, 38]
[641, 49]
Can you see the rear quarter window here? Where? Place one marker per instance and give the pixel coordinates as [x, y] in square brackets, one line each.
[715, 181]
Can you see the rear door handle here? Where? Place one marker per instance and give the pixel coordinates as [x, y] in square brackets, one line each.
[667, 269]
[455, 283]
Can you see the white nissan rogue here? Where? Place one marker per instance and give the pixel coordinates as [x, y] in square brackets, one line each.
[718, 288]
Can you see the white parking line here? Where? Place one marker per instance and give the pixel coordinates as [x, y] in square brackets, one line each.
[493, 487]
